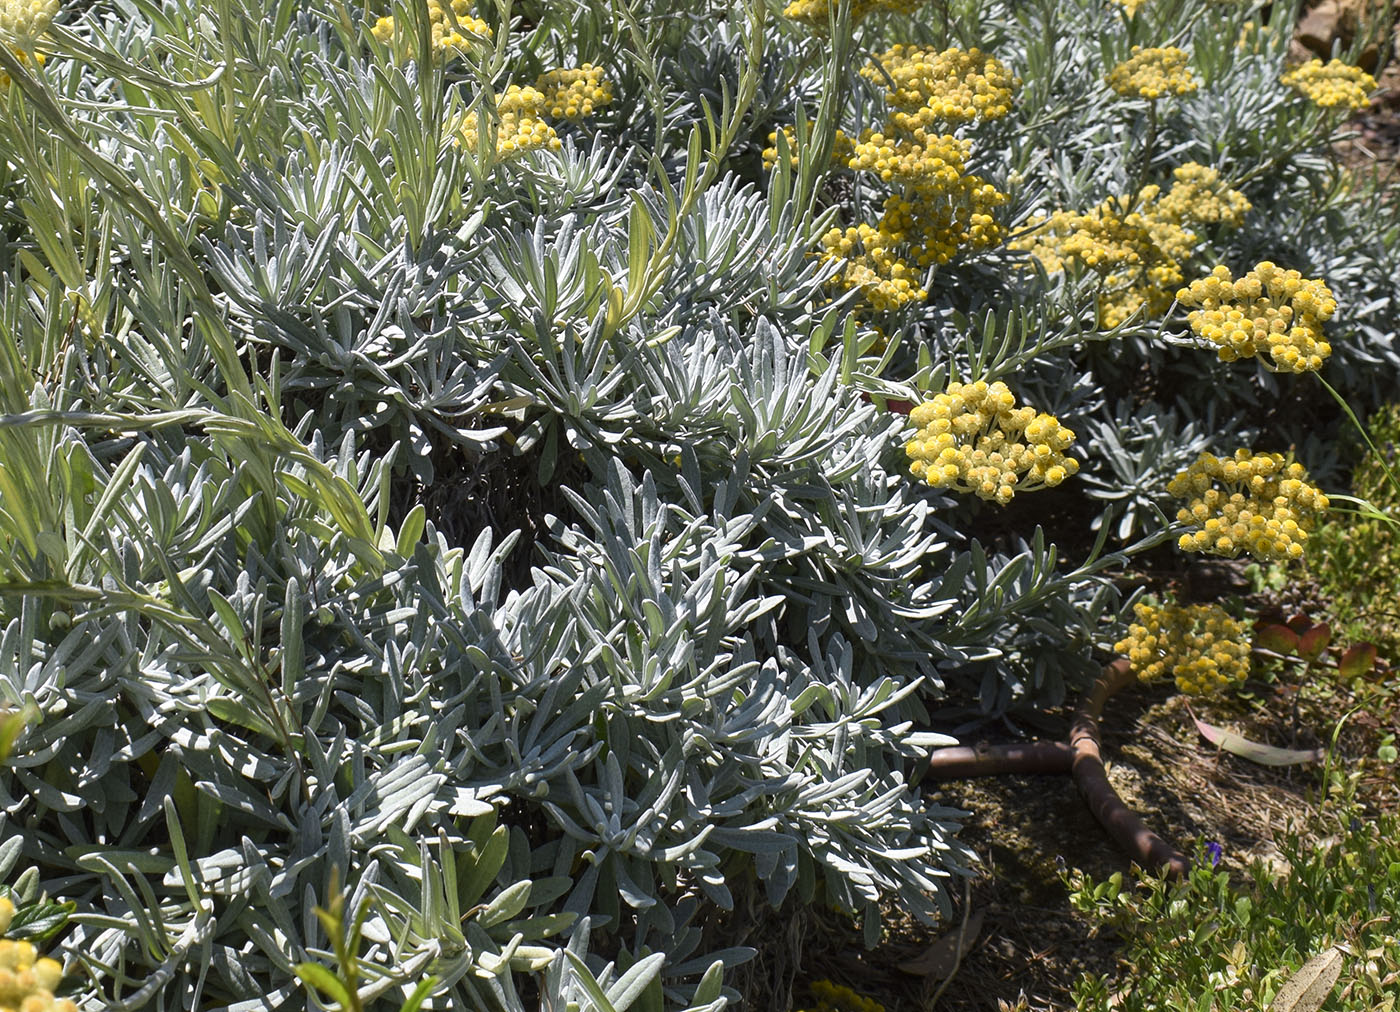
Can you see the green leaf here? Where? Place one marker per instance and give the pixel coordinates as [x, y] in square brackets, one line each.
[317, 976]
[508, 904]
[482, 873]
[411, 530]
[12, 725]
[415, 1000]
[40, 922]
[629, 987]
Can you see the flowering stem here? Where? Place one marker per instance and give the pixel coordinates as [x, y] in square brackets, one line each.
[1346, 408]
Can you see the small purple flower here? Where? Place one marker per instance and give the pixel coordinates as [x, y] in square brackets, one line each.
[1215, 851]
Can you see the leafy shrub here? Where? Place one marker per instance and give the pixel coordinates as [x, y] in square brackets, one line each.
[446, 481]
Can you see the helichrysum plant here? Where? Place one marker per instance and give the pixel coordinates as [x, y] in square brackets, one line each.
[1198, 196]
[1137, 245]
[1271, 314]
[934, 208]
[1201, 646]
[1257, 503]
[1153, 73]
[573, 93]
[26, 20]
[1130, 244]
[1332, 85]
[973, 438]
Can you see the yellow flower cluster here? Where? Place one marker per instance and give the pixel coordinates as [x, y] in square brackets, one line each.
[926, 87]
[27, 981]
[1198, 197]
[1256, 503]
[1269, 311]
[939, 208]
[453, 27]
[568, 94]
[1135, 248]
[575, 92]
[1333, 85]
[838, 998]
[26, 20]
[23, 57]
[1200, 645]
[1152, 73]
[1131, 7]
[520, 127]
[818, 13]
[973, 438]
[869, 265]
[841, 149]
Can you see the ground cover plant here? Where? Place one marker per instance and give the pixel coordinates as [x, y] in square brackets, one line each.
[497, 501]
[1325, 917]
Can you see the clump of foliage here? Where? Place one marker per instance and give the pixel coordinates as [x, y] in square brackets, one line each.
[1213, 941]
[458, 542]
[1359, 562]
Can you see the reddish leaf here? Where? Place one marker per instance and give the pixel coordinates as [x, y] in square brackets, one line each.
[1265, 755]
[1278, 638]
[900, 407]
[1300, 623]
[1314, 641]
[1358, 660]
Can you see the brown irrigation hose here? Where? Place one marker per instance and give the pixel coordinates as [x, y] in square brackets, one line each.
[1082, 756]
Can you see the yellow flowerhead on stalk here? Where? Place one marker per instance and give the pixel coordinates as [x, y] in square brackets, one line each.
[973, 438]
[521, 127]
[1199, 645]
[1333, 85]
[1271, 314]
[574, 92]
[1152, 73]
[27, 982]
[26, 20]
[817, 14]
[926, 87]
[453, 27]
[1198, 197]
[871, 265]
[841, 149]
[1255, 503]
[1131, 244]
